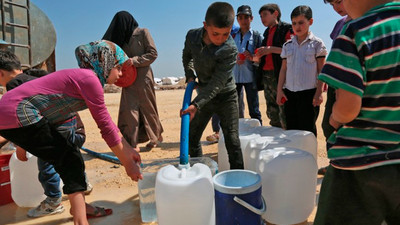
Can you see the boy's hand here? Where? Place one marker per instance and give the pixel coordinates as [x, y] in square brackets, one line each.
[317, 100]
[248, 55]
[264, 50]
[21, 154]
[241, 58]
[191, 110]
[281, 97]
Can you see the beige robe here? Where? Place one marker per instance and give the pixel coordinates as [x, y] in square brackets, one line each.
[138, 118]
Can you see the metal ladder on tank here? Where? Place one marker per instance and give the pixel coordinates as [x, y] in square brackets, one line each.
[27, 27]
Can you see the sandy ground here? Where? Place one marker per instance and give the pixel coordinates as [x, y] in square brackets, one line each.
[112, 188]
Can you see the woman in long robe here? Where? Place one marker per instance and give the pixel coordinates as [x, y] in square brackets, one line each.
[138, 118]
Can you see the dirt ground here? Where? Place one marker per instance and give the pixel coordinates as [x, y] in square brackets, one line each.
[112, 188]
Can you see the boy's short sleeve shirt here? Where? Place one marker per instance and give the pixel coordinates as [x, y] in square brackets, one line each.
[301, 61]
[364, 61]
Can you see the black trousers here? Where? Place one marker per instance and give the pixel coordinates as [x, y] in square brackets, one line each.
[44, 141]
[300, 112]
[355, 197]
[225, 105]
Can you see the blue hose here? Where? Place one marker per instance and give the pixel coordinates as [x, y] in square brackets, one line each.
[184, 145]
[102, 156]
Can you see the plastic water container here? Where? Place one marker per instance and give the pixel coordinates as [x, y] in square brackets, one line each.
[147, 197]
[185, 196]
[268, 131]
[248, 123]
[238, 198]
[289, 180]
[9, 146]
[301, 139]
[146, 186]
[298, 139]
[255, 146]
[246, 133]
[26, 190]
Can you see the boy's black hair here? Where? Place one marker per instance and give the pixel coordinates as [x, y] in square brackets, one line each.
[328, 1]
[36, 72]
[271, 8]
[9, 61]
[220, 14]
[302, 10]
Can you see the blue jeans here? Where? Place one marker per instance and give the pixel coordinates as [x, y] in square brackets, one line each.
[49, 179]
[252, 100]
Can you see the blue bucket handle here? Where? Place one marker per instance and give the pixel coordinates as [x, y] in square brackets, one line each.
[250, 207]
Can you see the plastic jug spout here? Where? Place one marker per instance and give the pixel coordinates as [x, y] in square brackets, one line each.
[183, 166]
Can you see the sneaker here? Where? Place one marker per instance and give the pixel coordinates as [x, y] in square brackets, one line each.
[89, 188]
[213, 138]
[45, 209]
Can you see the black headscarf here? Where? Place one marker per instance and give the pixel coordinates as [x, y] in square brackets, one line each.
[121, 28]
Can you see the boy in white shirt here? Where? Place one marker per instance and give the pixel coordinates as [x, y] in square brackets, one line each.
[298, 88]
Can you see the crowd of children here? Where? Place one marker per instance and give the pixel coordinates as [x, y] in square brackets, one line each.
[361, 183]
[360, 123]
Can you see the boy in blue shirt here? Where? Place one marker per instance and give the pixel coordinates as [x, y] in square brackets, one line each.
[210, 55]
[247, 41]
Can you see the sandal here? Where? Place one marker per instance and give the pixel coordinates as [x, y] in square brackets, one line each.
[151, 145]
[213, 138]
[99, 212]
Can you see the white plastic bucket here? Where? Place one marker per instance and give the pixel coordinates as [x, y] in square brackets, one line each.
[289, 179]
[26, 190]
[185, 196]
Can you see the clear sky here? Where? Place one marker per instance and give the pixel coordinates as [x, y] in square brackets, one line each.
[81, 21]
